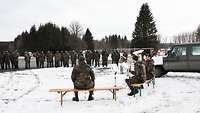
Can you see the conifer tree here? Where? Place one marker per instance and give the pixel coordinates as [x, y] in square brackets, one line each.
[88, 38]
[144, 35]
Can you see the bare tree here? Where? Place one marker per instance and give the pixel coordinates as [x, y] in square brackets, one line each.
[198, 34]
[187, 37]
[76, 29]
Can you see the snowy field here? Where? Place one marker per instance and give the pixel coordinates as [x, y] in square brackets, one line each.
[27, 91]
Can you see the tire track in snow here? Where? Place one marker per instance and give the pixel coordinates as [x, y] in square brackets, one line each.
[167, 101]
[6, 84]
[10, 90]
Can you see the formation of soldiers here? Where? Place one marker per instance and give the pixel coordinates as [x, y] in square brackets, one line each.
[65, 58]
[9, 60]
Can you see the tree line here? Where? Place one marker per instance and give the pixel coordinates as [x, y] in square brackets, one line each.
[187, 37]
[50, 37]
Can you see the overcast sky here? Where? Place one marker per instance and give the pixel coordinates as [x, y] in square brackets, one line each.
[102, 17]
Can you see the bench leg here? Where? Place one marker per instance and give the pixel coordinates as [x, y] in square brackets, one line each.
[114, 94]
[153, 82]
[61, 98]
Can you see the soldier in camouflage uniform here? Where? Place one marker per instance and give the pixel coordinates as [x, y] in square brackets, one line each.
[16, 55]
[88, 56]
[83, 78]
[11, 56]
[37, 55]
[48, 58]
[92, 57]
[7, 60]
[14, 60]
[66, 59]
[150, 69]
[80, 53]
[27, 60]
[51, 59]
[115, 57]
[139, 75]
[97, 58]
[61, 58]
[105, 58]
[42, 59]
[57, 59]
[73, 58]
[1, 60]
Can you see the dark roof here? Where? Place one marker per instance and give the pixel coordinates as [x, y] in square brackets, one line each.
[5, 46]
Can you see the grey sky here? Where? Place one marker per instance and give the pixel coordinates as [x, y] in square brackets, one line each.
[102, 17]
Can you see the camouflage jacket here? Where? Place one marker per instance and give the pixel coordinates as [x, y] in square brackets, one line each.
[150, 69]
[83, 76]
[139, 72]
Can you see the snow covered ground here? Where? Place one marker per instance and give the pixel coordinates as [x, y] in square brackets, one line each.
[27, 92]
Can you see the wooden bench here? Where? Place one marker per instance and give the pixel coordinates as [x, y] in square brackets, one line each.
[140, 85]
[63, 91]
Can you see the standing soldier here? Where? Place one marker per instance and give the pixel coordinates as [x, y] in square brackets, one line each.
[97, 58]
[105, 58]
[73, 58]
[7, 60]
[80, 53]
[88, 56]
[37, 55]
[27, 60]
[92, 57]
[48, 58]
[113, 56]
[1, 60]
[42, 59]
[15, 59]
[57, 59]
[51, 59]
[117, 57]
[66, 59]
[61, 58]
[11, 56]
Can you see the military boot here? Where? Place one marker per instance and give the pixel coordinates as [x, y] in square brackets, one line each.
[90, 96]
[76, 97]
[133, 92]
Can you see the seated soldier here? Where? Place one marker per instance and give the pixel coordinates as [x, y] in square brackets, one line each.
[139, 75]
[83, 78]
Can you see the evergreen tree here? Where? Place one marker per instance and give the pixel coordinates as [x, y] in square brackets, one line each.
[88, 40]
[144, 35]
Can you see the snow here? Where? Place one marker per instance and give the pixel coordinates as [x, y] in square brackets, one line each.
[27, 91]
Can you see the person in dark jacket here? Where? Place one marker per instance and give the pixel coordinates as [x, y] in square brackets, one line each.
[83, 78]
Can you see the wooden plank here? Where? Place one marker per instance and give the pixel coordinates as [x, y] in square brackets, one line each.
[137, 85]
[92, 89]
